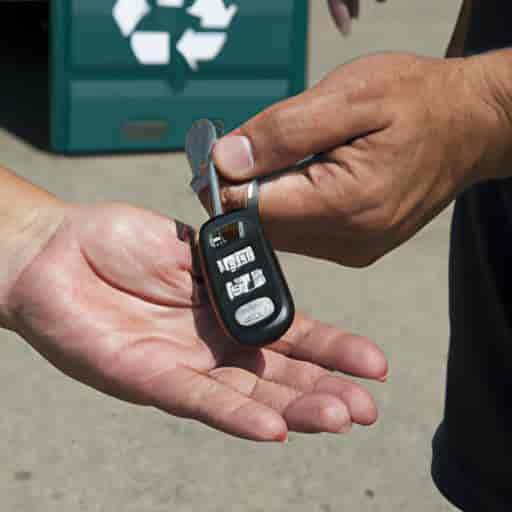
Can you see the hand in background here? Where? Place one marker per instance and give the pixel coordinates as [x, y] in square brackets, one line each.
[343, 11]
[113, 301]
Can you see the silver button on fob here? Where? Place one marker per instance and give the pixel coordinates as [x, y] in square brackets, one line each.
[246, 285]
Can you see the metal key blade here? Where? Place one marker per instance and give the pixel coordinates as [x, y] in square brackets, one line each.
[200, 142]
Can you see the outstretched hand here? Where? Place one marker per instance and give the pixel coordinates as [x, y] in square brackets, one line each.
[114, 301]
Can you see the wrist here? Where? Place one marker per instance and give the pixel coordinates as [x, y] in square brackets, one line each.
[27, 224]
[492, 78]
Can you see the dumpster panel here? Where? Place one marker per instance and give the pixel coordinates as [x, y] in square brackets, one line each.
[132, 75]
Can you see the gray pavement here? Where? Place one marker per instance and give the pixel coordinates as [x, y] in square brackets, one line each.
[66, 448]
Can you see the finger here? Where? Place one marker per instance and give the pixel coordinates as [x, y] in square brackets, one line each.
[360, 403]
[318, 412]
[308, 413]
[341, 15]
[305, 377]
[308, 192]
[331, 347]
[274, 367]
[186, 393]
[318, 214]
[306, 221]
[303, 206]
[334, 112]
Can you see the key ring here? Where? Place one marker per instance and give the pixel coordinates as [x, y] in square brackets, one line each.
[252, 201]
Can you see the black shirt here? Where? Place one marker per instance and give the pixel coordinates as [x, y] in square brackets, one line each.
[472, 462]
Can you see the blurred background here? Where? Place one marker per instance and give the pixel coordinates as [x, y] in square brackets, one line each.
[65, 447]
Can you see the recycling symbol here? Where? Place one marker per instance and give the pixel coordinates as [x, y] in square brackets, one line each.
[154, 47]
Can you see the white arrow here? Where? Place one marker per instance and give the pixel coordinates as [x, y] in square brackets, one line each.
[213, 13]
[152, 48]
[129, 13]
[204, 46]
[171, 3]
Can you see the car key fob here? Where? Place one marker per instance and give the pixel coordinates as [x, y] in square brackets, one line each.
[245, 283]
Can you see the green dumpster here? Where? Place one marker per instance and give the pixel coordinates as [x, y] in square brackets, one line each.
[133, 75]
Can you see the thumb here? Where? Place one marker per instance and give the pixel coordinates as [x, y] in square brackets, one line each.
[314, 122]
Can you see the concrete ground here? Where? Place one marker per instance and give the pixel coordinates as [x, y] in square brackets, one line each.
[66, 448]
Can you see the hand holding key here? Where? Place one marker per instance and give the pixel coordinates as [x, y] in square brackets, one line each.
[402, 136]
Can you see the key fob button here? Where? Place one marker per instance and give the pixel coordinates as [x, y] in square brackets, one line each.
[246, 284]
[255, 311]
[234, 262]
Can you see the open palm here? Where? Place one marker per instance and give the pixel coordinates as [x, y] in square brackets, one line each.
[113, 300]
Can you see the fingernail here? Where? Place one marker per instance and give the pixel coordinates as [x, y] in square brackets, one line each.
[234, 155]
[342, 17]
[385, 378]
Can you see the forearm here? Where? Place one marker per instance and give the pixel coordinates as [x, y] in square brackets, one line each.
[29, 216]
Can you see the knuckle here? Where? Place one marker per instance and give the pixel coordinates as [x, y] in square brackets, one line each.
[325, 180]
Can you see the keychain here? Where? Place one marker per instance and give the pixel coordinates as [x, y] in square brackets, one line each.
[245, 283]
